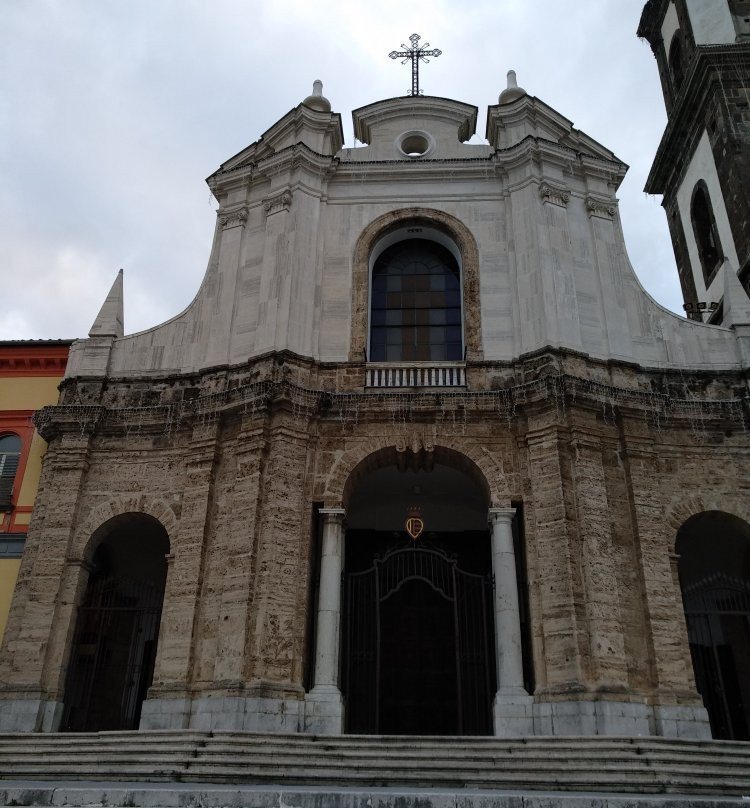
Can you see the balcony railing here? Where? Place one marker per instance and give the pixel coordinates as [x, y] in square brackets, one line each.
[415, 374]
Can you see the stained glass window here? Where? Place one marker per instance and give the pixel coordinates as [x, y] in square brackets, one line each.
[415, 304]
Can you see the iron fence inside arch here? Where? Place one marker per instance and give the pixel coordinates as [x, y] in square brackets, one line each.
[464, 601]
[717, 613]
[113, 654]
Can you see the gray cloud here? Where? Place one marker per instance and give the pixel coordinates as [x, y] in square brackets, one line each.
[113, 113]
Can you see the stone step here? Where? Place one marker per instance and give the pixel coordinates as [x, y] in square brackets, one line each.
[178, 795]
[220, 750]
[623, 777]
[603, 782]
[376, 745]
[601, 765]
[370, 741]
[460, 758]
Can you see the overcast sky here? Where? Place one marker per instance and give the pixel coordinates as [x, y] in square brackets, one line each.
[113, 113]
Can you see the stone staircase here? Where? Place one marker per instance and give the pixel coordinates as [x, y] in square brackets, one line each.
[597, 765]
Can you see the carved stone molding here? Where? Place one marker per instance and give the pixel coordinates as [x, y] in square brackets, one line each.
[233, 218]
[604, 209]
[416, 452]
[278, 202]
[553, 194]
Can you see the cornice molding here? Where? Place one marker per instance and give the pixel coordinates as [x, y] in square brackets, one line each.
[288, 158]
[30, 360]
[463, 115]
[557, 390]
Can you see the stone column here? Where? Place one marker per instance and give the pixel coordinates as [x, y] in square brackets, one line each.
[324, 704]
[512, 708]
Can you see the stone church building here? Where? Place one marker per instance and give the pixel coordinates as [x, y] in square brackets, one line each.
[421, 456]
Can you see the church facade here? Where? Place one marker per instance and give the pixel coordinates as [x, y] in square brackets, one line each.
[422, 456]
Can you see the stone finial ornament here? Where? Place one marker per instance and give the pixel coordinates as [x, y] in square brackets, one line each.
[317, 100]
[512, 92]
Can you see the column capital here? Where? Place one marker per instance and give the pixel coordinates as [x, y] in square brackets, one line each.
[495, 515]
[333, 514]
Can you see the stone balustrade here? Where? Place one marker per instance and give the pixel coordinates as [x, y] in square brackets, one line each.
[416, 374]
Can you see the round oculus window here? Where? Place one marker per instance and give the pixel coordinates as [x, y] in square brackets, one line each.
[415, 144]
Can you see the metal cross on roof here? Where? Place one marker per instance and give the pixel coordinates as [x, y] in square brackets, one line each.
[415, 53]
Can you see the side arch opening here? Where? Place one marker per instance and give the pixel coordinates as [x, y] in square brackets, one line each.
[112, 658]
[714, 568]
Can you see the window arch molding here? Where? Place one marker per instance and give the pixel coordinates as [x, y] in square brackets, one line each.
[440, 225]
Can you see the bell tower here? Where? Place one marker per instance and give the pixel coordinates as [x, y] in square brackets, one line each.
[702, 166]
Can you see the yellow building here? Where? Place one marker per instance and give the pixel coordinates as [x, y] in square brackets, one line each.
[30, 372]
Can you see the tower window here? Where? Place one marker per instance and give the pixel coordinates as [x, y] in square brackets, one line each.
[415, 304]
[706, 234]
[676, 62]
[10, 454]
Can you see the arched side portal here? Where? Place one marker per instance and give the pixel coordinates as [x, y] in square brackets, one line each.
[117, 627]
[714, 566]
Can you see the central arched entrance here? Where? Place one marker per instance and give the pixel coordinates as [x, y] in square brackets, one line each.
[418, 650]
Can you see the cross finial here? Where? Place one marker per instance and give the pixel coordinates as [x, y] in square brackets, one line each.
[415, 53]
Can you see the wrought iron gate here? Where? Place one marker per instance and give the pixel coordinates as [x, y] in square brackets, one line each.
[113, 654]
[717, 611]
[469, 596]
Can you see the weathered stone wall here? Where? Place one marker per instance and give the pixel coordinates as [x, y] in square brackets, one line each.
[608, 462]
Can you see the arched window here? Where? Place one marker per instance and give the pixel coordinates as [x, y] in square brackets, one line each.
[415, 304]
[10, 454]
[676, 67]
[706, 234]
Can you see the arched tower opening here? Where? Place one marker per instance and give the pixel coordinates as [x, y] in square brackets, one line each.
[705, 232]
[676, 62]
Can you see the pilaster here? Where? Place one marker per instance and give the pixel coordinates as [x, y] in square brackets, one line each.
[218, 312]
[677, 707]
[556, 558]
[240, 550]
[43, 607]
[607, 659]
[168, 705]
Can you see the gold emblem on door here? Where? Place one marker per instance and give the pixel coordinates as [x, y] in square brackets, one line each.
[414, 524]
